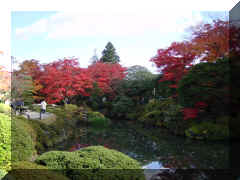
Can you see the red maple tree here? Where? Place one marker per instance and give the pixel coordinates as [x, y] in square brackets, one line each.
[64, 79]
[5, 79]
[104, 74]
[211, 41]
[208, 42]
[174, 61]
[234, 36]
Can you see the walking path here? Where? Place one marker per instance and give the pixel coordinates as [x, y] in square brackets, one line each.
[36, 115]
[47, 117]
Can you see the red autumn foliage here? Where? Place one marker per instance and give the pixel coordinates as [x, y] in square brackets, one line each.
[174, 61]
[234, 36]
[29, 67]
[64, 79]
[190, 113]
[208, 43]
[211, 41]
[173, 86]
[200, 105]
[104, 74]
[5, 79]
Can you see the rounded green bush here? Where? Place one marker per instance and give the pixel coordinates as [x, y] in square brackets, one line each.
[2, 173]
[152, 117]
[4, 108]
[5, 142]
[97, 119]
[24, 170]
[162, 113]
[27, 165]
[23, 139]
[71, 108]
[209, 131]
[94, 162]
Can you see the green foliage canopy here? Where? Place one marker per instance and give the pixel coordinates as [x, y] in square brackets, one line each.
[109, 54]
[91, 163]
[209, 83]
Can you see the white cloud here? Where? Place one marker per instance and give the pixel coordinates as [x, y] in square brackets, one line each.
[72, 24]
[140, 56]
[35, 28]
[120, 6]
[120, 19]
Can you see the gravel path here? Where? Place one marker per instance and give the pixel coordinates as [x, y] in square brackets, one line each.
[36, 115]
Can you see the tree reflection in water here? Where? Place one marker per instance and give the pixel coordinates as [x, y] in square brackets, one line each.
[153, 145]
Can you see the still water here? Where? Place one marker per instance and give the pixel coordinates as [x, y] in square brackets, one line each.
[154, 148]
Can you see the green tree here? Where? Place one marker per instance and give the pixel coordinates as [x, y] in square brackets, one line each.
[121, 106]
[163, 89]
[138, 73]
[22, 87]
[208, 83]
[139, 83]
[95, 100]
[109, 54]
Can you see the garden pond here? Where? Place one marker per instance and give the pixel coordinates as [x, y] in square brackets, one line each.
[153, 148]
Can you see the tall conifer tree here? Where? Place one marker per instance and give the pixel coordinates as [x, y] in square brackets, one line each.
[109, 54]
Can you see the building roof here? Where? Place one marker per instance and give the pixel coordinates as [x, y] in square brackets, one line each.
[234, 15]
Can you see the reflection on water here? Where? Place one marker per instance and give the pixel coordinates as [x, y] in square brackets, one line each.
[155, 148]
[154, 165]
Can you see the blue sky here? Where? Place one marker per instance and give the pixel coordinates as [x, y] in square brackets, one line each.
[51, 35]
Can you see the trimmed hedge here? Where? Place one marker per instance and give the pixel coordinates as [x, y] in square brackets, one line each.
[23, 139]
[27, 165]
[94, 162]
[30, 171]
[5, 142]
